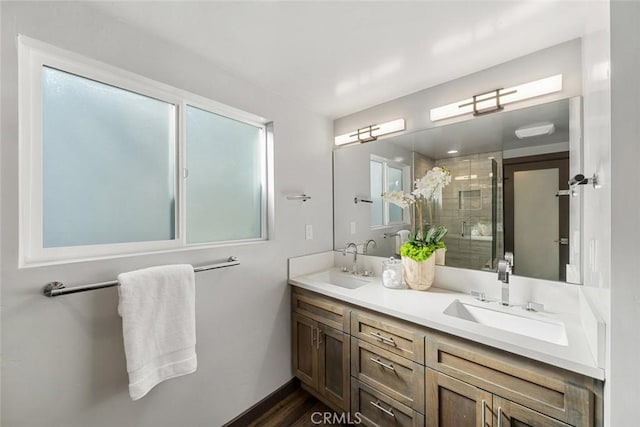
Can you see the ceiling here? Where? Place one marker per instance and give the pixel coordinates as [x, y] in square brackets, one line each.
[336, 58]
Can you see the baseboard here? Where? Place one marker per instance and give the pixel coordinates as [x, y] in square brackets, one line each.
[253, 413]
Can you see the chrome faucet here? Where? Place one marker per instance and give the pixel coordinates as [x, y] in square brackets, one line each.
[505, 266]
[354, 269]
[365, 247]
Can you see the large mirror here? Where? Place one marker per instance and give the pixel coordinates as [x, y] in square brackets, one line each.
[506, 191]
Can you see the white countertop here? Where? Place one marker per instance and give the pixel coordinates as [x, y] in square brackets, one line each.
[426, 308]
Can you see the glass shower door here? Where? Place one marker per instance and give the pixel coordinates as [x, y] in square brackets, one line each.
[469, 211]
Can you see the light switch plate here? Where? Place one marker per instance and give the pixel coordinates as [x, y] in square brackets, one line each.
[308, 232]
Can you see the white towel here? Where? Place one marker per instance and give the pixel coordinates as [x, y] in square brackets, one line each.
[157, 306]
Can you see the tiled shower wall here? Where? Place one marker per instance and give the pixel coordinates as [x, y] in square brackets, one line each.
[472, 210]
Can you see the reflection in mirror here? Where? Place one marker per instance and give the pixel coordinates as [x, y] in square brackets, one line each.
[502, 197]
[388, 175]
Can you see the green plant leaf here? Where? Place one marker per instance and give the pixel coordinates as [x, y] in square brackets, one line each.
[417, 250]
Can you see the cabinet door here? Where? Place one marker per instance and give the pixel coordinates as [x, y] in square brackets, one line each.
[305, 353]
[510, 414]
[453, 403]
[333, 366]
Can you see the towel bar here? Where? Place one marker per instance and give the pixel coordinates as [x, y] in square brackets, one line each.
[54, 289]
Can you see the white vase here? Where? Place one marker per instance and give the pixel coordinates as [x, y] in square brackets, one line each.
[419, 275]
[440, 256]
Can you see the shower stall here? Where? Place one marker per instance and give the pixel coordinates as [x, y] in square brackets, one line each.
[471, 209]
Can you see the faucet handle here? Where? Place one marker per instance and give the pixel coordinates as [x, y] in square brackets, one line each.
[480, 296]
[534, 306]
[365, 246]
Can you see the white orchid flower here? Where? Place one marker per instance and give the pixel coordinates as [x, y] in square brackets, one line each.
[399, 198]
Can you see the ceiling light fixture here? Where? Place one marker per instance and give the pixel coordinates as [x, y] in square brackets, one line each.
[371, 132]
[452, 151]
[536, 129]
[495, 100]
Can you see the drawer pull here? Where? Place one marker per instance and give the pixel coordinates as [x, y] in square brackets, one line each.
[499, 417]
[386, 411]
[381, 363]
[385, 340]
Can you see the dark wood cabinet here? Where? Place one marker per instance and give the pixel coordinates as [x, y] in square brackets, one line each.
[375, 409]
[554, 392]
[453, 403]
[510, 414]
[320, 356]
[390, 372]
[333, 366]
[305, 355]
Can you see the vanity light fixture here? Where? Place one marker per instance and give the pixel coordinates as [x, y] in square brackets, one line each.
[536, 129]
[371, 132]
[495, 100]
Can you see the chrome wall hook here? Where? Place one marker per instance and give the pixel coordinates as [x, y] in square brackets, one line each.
[302, 197]
[580, 179]
[361, 200]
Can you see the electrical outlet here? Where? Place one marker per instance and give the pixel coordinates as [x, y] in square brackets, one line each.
[308, 232]
[353, 227]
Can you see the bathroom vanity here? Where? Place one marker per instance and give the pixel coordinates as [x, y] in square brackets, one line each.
[407, 358]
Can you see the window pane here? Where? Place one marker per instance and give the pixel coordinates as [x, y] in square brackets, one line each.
[394, 183]
[376, 193]
[108, 158]
[224, 187]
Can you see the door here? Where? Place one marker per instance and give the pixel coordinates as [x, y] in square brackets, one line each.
[305, 353]
[536, 221]
[333, 365]
[453, 403]
[510, 414]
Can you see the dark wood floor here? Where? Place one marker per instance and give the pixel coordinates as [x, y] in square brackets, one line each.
[295, 410]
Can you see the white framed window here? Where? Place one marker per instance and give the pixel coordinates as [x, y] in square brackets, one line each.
[388, 175]
[115, 164]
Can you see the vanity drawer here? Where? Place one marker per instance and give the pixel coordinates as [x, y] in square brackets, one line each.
[549, 390]
[397, 337]
[396, 376]
[377, 409]
[321, 309]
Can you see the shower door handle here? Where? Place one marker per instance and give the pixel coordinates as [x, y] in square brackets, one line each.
[464, 225]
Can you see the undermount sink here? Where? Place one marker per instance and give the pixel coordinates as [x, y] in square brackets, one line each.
[507, 319]
[339, 278]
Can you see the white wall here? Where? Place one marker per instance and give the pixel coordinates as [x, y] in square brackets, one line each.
[414, 108]
[596, 92]
[63, 359]
[624, 372]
